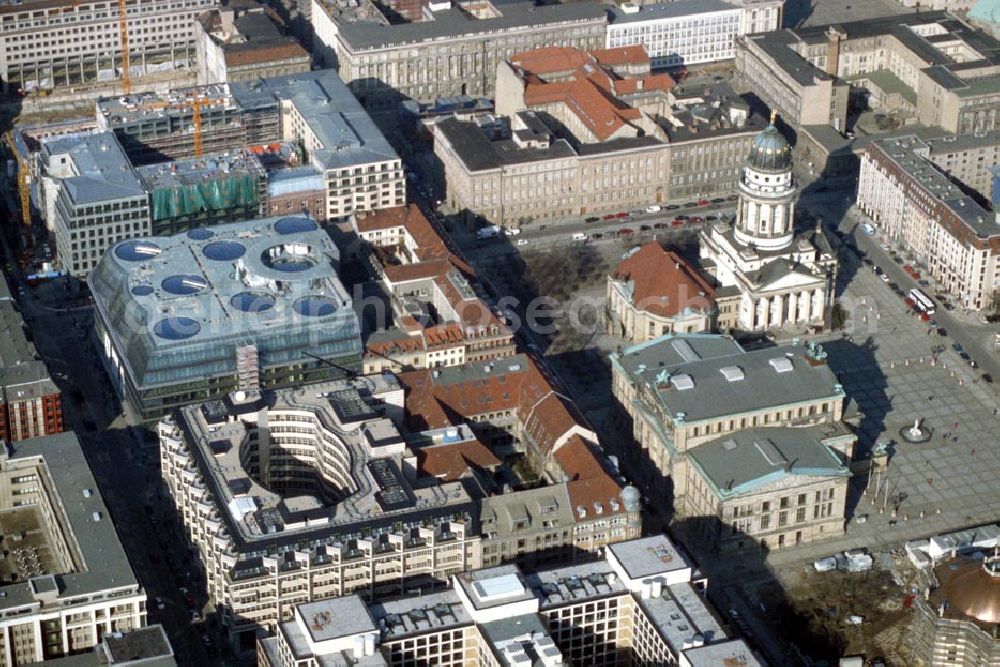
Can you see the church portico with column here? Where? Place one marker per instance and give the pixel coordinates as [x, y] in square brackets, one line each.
[783, 276]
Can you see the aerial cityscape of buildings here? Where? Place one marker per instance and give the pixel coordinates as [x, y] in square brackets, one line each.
[500, 332]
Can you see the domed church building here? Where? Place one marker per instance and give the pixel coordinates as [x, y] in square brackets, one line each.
[768, 273]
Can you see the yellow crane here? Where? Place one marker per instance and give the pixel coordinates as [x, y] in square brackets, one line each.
[23, 177]
[123, 43]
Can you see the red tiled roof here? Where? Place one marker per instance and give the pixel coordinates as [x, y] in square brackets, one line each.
[622, 55]
[550, 59]
[546, 415]
[588, 482]
[591, 92]
[451, 462]
[665, 284]
[655, 82]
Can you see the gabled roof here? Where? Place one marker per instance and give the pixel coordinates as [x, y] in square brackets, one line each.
[584, 83]
[450, 462]
[663, 282]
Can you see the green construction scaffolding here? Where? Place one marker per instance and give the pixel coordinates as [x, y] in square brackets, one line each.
[230, 192]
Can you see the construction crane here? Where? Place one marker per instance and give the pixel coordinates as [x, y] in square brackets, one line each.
[196, 122]
[123, 42]
[23, 177]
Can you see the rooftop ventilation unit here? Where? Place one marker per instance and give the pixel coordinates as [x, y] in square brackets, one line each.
[732, 373]
[781, 364]
[682, 382]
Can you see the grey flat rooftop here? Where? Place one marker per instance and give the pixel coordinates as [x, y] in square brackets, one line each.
[670, 363]
[495, 586]
[102, 172]
[744, 460]
[336, 618]
[346, 132]
[455, 24]
[649, 556]
[670, 10]
[427, 612]
[791, 63]
[105, 565]
[679, 614]
[733, 652]
[142, 644]
[566, 585]
[479, 153]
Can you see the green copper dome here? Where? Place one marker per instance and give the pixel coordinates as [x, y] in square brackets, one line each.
[769, 151]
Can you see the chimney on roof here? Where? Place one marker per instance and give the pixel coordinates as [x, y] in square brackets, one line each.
[228, 16]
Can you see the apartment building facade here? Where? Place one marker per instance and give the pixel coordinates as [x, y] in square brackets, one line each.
[918, 206]
[968, 159]
[730, 429]
[56, 45]
[453, 52]
[74, 584]
[689, 32]
[640, 604]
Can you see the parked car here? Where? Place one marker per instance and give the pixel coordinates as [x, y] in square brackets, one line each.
[884, 277]
[703, 202]
[677, 222]
[696, 220]
[645, 228]
[609, 216]
[718, 200]
[827, 564]
[592, 219]
[987, 378]
[923, 282]
[672, 207]
[625, 232]
[942, 332]
[957, 347]
[522, 242]
[856, 560]
[159, 603]
[653, 208]
[660, 225]
[868, 229]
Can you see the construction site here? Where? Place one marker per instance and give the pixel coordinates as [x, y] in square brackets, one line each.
[140, 38]
[186, 123]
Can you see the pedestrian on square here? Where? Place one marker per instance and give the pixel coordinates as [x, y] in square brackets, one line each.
[931, 397]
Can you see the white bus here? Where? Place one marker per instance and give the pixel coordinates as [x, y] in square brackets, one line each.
[921, 301]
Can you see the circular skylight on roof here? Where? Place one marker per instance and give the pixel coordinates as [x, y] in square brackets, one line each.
[176, 328]
[182, 285]
[137, 251]
[253, 302]
[315, 306]
[224, 251]
[289, 258]
[294, 225]
[200, 234]
[142, 290]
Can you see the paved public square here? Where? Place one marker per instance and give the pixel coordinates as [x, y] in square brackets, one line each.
[887, 365]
